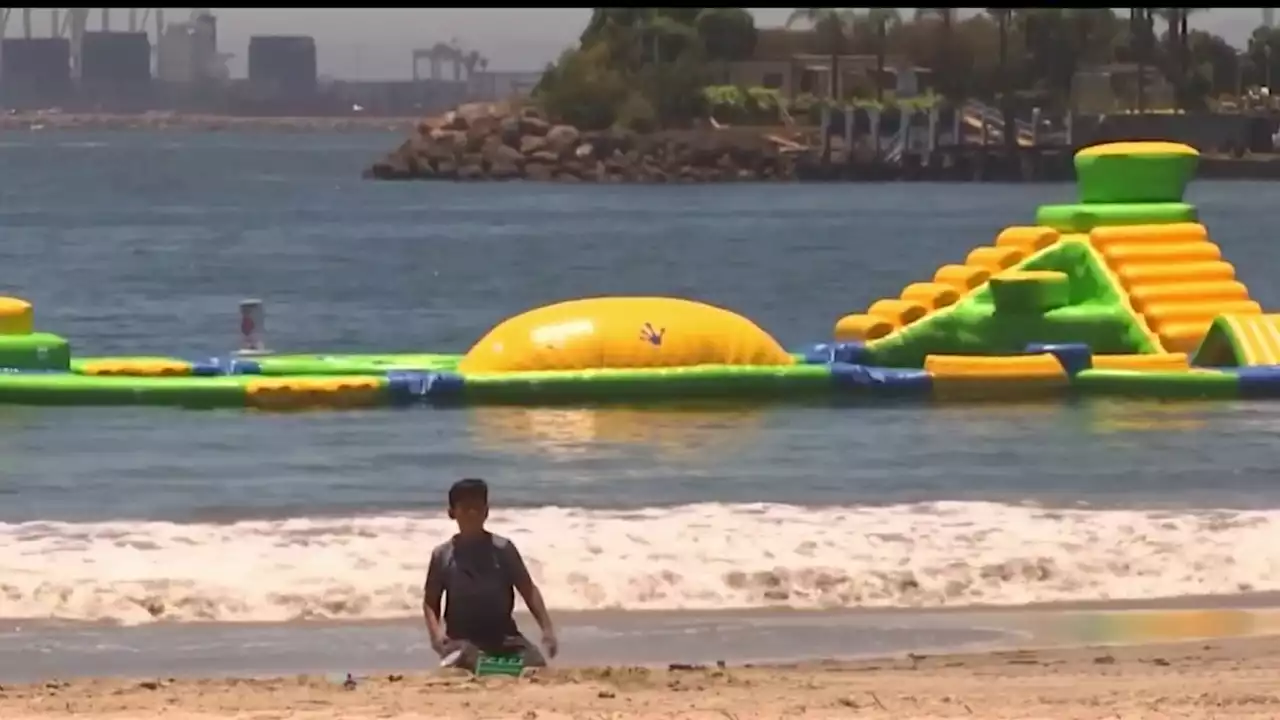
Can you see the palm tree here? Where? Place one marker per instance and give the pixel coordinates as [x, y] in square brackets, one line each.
[1179, 47]
[1089, 34]
[1007, 119]
[831, 24]
[881, 19]
[943, 57]
[1140, 24]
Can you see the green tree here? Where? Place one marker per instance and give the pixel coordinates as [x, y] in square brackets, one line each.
[582, 89]
[1217, 68]
[727, 34]
[634, 66]
[1263, 53]
[1058, 42]
[601, 18]
[663, 39]
[882, 20]
[832, 25]
[943, 56]
[1177, 50]
[1141, 47]
[652, 65]
[1004, 19]
[1096, 32]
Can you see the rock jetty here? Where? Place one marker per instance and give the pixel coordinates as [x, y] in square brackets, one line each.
[484, 141]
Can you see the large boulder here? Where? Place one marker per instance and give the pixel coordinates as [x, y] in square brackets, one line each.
[561, 139]
[533, 125]
[530, 144]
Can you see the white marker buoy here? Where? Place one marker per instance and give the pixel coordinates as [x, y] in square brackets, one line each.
[253, 328]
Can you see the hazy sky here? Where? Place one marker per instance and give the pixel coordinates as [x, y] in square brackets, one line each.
[375, 44]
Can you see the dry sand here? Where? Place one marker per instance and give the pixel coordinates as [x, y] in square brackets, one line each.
[1209, 679]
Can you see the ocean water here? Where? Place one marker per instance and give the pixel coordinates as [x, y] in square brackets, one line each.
[133, 243]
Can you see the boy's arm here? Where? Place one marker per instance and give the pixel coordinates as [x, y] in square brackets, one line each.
[432, 592]
[524, 584]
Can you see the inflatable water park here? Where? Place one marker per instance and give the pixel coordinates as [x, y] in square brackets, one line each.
[1122, 293]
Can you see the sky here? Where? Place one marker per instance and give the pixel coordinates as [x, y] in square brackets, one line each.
[376, 44]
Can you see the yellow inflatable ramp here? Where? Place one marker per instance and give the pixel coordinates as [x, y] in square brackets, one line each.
[1154, 362]
[1241, 341]
[1010, 377]
[949, 284]
[1175, 277]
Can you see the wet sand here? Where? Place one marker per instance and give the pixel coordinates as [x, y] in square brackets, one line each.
[1218, 679]
[34, 650]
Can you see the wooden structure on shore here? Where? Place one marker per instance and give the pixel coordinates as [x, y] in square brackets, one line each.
[964, 143]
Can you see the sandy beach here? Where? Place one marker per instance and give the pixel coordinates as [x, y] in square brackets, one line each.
[1205, 679]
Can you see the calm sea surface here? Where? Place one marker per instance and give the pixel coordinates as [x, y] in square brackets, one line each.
[144, 243]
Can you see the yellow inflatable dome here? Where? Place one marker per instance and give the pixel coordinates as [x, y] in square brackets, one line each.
[623, 332]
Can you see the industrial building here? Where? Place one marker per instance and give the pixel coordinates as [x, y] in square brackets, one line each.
[148, 64]
[115, 72]
[285, 65]
[35, 72]
[187, 52]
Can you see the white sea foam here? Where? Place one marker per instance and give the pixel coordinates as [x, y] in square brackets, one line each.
[698, 556]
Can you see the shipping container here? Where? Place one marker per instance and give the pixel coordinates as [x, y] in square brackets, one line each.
[115, 58]
[283, 65]
[115, 72]
[34, 72]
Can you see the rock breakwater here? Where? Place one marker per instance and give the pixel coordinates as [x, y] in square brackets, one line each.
[483, 141]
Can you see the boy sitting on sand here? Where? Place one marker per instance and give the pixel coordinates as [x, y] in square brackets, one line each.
[477, 572]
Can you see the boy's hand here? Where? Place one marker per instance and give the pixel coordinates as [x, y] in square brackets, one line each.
[550, 643]
[439, 644]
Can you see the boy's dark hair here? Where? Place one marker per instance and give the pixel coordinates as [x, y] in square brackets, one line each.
[468, 489]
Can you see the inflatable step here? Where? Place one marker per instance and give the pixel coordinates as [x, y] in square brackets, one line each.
[137, 367]
[318, 392]
[1037, 366]
[1169, 273]
[994, 259]
[1184, 336]
[1013, 377]
[1124, 253]
[1028, 239]
[860, 327]
[962, 277]
[1161, 314]
[1104, 237]
[1151, 362]
[898, 313]
[16, 316]
[1221, 290]
[932, 295]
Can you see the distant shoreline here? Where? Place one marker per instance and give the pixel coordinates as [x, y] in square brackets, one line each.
[153, 121]
[1213, 166]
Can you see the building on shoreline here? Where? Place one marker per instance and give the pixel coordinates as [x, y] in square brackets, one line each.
[179, 67]
[793, 62]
